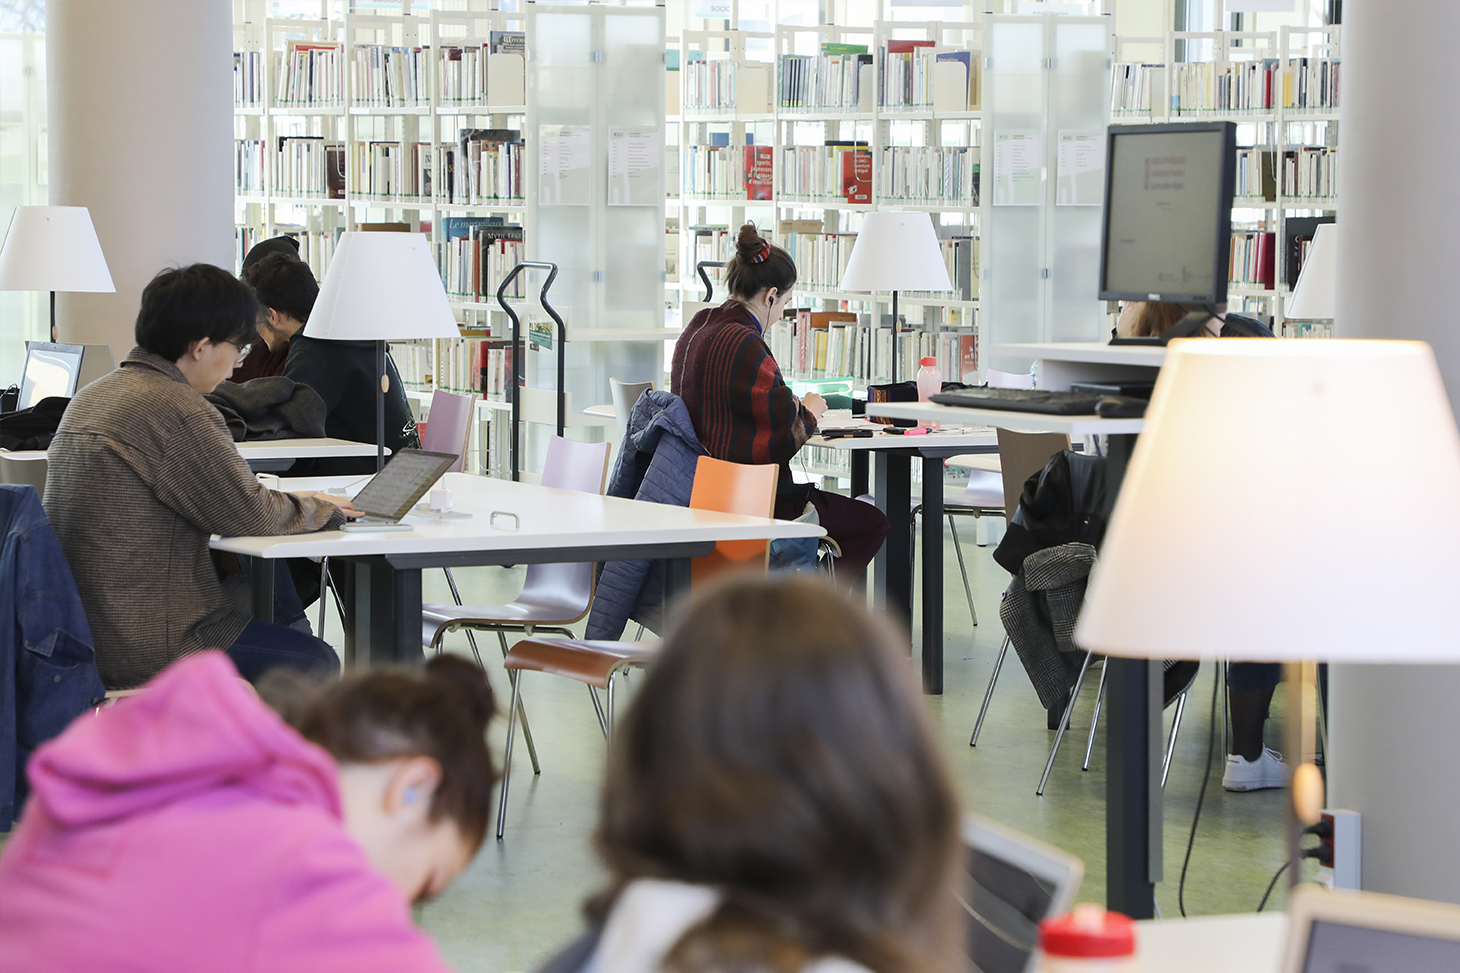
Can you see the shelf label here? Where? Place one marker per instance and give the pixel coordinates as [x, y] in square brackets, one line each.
[1018, 168]
[1080, 171]
[564, 177]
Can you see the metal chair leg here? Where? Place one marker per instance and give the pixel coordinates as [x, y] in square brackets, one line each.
[1226, 737]
[989, 693]
[963, 570]
[522, 712]
[598, 708]
[471, 637]
[608, 725]
[1095, 718]
[324, 579]
[513, 677]
[1064, 724]
[639, 636]
[1171, 744]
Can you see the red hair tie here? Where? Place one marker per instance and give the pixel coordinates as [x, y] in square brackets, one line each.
[764, 252]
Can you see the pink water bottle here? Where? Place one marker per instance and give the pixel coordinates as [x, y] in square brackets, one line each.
[1088, 940]
[930, 380]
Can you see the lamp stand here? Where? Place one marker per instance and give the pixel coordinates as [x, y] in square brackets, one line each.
[894, 337]
[53, 335]
[1301, 733]
[380, 390]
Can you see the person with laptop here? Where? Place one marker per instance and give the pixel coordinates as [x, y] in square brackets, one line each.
[776, 799]
[143, 470]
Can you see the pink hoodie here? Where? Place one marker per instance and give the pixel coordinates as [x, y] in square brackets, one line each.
[188, 828]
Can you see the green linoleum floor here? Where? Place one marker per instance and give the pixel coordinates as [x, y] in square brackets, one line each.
[520, 899]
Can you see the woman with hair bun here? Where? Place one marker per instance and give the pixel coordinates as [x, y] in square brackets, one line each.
[741, 407]
[191, 828]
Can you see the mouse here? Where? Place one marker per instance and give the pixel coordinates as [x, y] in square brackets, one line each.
[1115, 407]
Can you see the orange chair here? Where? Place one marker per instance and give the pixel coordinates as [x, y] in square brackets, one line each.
[732, 488]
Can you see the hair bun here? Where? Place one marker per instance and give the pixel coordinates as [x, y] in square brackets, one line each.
[749, 243]
[470, 685]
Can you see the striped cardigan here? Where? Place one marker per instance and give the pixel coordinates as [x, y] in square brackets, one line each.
[141, 471]
[741, 408]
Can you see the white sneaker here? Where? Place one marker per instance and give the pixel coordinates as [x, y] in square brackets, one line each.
[1266, 771]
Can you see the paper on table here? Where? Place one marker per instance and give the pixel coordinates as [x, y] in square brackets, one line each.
[633, 167]
[1080, 174]
[1018, 168]
[564, 178]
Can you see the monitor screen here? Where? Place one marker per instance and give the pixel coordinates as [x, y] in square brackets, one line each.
[1168, 212]
[50, 370]
[1335, 947]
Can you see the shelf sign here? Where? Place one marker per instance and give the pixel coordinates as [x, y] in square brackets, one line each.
[1018, 168]
[1080, 172]
[564, 177]
[633, 167]
[713, 9]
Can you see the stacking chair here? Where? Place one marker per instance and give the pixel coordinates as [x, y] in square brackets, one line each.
[725, 487]
[22, 470]
[983, 497]
[625, 394]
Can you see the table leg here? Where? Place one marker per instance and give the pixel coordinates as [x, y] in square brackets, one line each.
[676, 572]
[894, 492]
[387, 610]
[261, 588]
[932, 575]
[859, 472]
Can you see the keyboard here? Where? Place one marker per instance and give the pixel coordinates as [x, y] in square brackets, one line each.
[1030, 400]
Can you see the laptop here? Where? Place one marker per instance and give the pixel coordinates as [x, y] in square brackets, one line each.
[393, 491]
[1012, 882]
[1366, 932]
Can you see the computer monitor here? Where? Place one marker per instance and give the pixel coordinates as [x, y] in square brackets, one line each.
[1167, 229]
[1340, 932]
[50, 369]
[1012, 882]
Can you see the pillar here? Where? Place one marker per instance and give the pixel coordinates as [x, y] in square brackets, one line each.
[140, 102]
[1394, 737]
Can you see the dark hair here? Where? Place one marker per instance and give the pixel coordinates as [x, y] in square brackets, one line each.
[758, 264]
[1155, 318]
[186, 304]
[440, 710]
[779, 752]
[279, 244]
[283, 283]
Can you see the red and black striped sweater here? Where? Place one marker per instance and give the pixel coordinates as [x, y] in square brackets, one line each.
[741, 408]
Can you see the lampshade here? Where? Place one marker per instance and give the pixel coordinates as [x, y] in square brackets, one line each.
[1313, 294]
[896, 252]
[1286, 500]
[381, 287]
[53, 248]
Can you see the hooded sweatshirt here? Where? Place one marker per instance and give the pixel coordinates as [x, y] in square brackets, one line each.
[189, 828]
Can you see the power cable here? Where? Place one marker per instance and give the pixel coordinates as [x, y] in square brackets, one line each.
[1201, 796]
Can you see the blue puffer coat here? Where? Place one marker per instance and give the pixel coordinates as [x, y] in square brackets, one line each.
[655, 462]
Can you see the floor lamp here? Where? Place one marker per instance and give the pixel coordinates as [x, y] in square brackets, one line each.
[381, 287]
[1231, 538]
[896, 252]
[53, 248]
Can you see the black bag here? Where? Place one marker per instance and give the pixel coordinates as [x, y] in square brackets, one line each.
[33, 428]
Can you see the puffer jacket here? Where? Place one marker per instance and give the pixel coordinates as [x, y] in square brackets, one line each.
[656, 462]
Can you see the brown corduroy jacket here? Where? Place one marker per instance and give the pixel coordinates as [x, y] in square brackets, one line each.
[141, 472]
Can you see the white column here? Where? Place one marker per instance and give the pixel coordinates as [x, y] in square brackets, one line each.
[1395, 736]
[140, 101]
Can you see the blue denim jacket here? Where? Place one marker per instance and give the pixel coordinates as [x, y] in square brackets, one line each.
[47, 669]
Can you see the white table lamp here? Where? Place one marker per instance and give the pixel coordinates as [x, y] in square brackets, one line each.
[1232, 537]
[53, 248]
[381, 287]
[1315, 293]
[896, 252]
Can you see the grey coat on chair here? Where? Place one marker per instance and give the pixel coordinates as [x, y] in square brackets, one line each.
[1039, 612]
[656, 462]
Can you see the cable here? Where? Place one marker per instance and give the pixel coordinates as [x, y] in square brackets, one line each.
[1271, 885]
[1201, 796]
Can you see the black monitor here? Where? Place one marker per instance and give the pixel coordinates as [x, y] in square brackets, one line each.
[50, 370]
[1167, 228]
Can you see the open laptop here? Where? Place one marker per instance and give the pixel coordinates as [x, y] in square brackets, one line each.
[1012, 882]
[393, 491]
[1365, 932]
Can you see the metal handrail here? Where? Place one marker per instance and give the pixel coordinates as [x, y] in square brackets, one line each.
[518, 352]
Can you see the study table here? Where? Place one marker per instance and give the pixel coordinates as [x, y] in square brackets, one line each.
[1247, 943]
[511, 523]
[266, 455]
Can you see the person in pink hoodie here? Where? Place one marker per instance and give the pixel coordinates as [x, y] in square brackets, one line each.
[190, 827]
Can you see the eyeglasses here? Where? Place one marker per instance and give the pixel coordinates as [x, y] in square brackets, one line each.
[243, 351]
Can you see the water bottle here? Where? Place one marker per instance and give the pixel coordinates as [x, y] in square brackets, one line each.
[1088, 940]
[930, 380]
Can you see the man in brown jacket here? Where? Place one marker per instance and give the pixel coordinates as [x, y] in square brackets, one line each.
[143, 470]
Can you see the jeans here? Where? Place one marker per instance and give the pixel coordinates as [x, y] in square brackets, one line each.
[288, 608]
[264, 645]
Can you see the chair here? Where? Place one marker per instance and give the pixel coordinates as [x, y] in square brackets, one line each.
[982, 497]
[29, 468]
[625, 394]
[1008, 380]
[724, 487]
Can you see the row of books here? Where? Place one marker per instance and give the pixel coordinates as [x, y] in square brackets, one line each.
[486, 165]
[1255, 172]
[832, 80]
[714, 170]
[248, 78]
[839, 344]
[960, 257]
[1224, 86]
[1137, 88]
[929, 174]
[315, 247]
[1252, 259]
[390, 77]
[725, 86]
[394, 170]
[840, 171]
[483, 72]
[1311, 84]
[307, 165]
[821, 258]
[1311, 171]
[248, 165]
[477, 253]
[310, 73]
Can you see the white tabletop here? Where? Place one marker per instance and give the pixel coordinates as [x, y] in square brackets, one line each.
[1086, 351]
[967, 436]
[1251, 943]
[266, 449]
[1019, 421]
[605, 411]
[548, 518]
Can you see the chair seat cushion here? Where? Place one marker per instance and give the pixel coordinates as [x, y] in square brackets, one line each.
[586, 661]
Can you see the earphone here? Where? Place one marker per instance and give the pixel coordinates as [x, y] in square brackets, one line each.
[410, 795]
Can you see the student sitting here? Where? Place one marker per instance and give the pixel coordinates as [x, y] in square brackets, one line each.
[286, 287]
[775, 800]
[143, 470]
[267, 357]
[189, 828]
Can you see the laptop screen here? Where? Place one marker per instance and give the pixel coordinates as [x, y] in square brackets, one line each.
[1335, 947]
[50, 370]
[392, 492]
